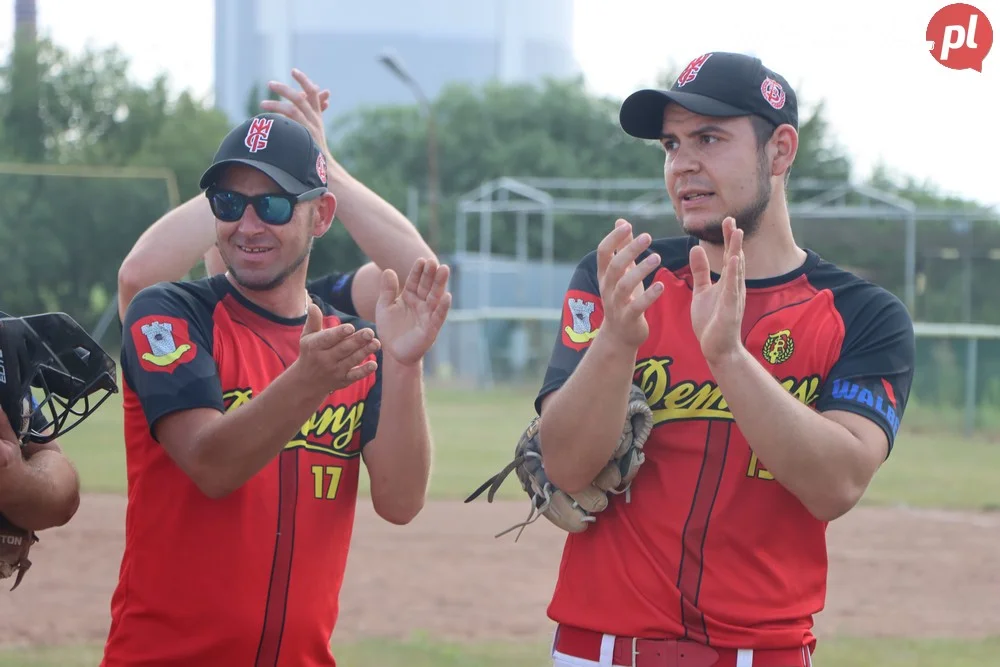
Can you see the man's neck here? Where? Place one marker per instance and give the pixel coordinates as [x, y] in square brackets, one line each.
[771, 251]
[288, 300]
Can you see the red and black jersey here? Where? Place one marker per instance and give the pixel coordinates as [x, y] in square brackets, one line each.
[253, 578]
[712, 548]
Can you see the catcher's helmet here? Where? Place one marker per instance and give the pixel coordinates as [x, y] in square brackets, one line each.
[50, 371]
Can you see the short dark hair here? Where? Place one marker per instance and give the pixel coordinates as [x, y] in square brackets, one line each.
[763, 130]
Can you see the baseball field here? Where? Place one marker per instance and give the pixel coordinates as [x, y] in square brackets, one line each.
[914, 580]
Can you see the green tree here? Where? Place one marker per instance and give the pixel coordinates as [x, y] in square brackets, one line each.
[22, 122]
[557, 129]
[820, 156]
[185, 142]
[62, 238]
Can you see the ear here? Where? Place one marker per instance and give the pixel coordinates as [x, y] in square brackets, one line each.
[782, 148]
[326, 207]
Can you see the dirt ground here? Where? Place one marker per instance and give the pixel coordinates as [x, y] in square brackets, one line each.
[893, 571]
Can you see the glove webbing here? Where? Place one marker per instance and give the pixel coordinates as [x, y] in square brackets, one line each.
[496, 481]
[23, 564]
[22, 569]
[539, 502]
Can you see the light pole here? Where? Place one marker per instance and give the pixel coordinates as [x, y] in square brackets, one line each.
[395, 65]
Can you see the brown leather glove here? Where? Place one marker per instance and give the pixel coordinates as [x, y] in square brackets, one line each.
[575, 512]
[15, 543]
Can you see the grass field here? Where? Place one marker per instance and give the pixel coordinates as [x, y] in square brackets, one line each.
[424, 652]
[475, 434]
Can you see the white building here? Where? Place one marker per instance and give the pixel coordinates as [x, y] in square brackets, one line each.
[337, 43]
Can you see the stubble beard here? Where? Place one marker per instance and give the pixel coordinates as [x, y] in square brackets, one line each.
[277, 281]
[747, 218]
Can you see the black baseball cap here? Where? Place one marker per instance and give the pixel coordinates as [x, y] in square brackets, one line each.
[718, 83]
[276, 145]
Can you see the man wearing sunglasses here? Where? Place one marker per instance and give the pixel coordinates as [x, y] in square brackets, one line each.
[180, 239]
[249, 406]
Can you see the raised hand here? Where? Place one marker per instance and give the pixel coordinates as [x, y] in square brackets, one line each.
[717, 310]
[408, 321]
[304, 106]
[623, 294]
[331, 358]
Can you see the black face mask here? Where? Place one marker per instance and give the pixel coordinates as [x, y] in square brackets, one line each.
[53, 375]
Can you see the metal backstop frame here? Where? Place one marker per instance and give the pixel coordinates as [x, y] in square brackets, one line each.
[646, 199]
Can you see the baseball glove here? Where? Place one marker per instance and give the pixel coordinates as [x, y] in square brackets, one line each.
[575, 512]
[15, 543]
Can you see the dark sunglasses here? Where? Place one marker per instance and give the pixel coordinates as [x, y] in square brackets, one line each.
[274, 209]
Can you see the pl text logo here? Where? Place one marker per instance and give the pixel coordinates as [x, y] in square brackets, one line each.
[959, 36]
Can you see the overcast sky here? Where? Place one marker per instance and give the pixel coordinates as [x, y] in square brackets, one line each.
[886, 96]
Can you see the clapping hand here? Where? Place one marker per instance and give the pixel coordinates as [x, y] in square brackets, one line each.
[717, 309]
[304, 106]
[332, 358]
[408, 321]
[624, 296]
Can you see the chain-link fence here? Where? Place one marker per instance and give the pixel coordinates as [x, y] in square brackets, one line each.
[956, 384]
[512, 265]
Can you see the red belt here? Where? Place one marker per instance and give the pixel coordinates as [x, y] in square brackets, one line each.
[634, 652]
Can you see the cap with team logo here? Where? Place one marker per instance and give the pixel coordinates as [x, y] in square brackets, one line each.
[714, 84]
[276, 145]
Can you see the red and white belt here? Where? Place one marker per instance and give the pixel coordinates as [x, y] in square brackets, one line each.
[610, 651]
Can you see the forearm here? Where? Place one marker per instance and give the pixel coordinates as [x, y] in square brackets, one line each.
[169, 249]
[42, 492]
[815, 458]
[371, 221]
[581, 422]
[399, 457]
[235, 447]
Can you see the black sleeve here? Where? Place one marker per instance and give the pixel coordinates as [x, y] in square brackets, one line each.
[873, 374]
[167, 352]
[373, 404]
[335, 289]
[582, 314]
